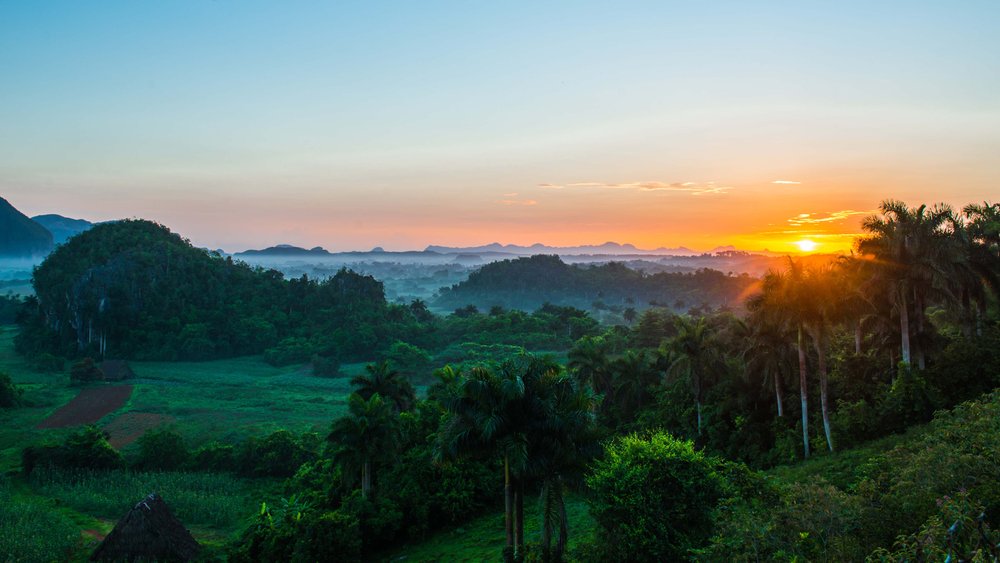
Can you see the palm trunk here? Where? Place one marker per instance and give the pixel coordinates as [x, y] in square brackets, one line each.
[519, 521]
[858, 336]
[366, 478]
[563, 524]
[697, 405]
[818, 340]
[778, 393]
[508, 504]
[904, 326]
[804, 395]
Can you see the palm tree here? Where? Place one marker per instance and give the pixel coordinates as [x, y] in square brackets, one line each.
[388, 383]
[588, 360]
[908, 247]
[363, 437]
[632, 374]
[976, 267]
[536, 418]
[693, 357]
[768, 351]
[479, 421]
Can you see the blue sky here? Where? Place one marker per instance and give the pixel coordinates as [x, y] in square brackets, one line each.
[403, 124]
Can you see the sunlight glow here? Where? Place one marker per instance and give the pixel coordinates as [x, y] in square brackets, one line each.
[806, 245]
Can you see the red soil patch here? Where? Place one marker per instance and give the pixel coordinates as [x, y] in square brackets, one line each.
[129, 427]
[89, 406]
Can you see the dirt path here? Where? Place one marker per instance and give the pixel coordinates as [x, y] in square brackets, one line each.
[128, 427]
[89, 406]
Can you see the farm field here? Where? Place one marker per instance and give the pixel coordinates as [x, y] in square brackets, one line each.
[225, 400]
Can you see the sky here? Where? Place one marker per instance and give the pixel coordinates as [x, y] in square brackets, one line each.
[350, 125]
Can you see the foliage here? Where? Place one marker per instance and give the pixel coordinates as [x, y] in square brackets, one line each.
[653, 498]
[162, 449]
[280, 454]
[529, 282]
[85, 371]
[10, 395]
[87, 448]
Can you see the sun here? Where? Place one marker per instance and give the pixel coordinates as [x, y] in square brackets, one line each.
[806, 245]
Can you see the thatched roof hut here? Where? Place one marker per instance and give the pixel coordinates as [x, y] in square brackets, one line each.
[116, 370]
[148, 532]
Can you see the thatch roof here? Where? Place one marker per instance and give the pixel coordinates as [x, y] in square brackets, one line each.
[116, 370]
[148, 532]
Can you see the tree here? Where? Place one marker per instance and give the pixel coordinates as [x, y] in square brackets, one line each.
[908, 247]
[536, 419]
[653, 498]
[694, 357]
[768, 351]
[382, 380]
[364, 437]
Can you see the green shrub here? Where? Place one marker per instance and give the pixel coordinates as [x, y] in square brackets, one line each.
[87, 448]
[214, 457]
[653, 498]
[290, 351]
[85, 371]
[278, 455]
[47, 363]
[10, 395]
[162, 450]
[325, 366]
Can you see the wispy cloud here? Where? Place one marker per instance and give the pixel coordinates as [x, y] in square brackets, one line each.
[817, 218]
[693, 188]
[518, 201]
[512, 194]
[786, 182]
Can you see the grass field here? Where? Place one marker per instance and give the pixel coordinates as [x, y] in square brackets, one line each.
[482, 539]
[225, 400]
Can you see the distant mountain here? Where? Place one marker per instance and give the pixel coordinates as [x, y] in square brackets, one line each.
[286, 250]
[20, 236]
[608, 248]
[62, 228]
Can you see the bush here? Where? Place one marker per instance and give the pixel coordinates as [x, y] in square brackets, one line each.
[215, 457]
[653, 498]
[87, 448]
[47, 363]
[10, 395]
[162, 450]
[289, 351]
[85, 371]
[278, 455]
[325, 366]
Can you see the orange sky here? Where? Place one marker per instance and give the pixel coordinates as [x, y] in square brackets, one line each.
[350, 126]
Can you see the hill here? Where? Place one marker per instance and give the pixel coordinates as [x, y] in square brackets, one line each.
[20, 237]
[529, 282]
[285, 250]
[133, 289]
[62, 228]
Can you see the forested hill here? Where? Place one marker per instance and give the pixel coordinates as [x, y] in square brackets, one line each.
[134, 289]
[20, 236]
[527, 283]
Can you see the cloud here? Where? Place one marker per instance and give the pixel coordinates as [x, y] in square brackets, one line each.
[518, 201]
[512, 194]
[816, 218]
[786, 182]
[693, 188]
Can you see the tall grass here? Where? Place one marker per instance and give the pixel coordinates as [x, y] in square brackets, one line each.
[196, 499]
[31, 530]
